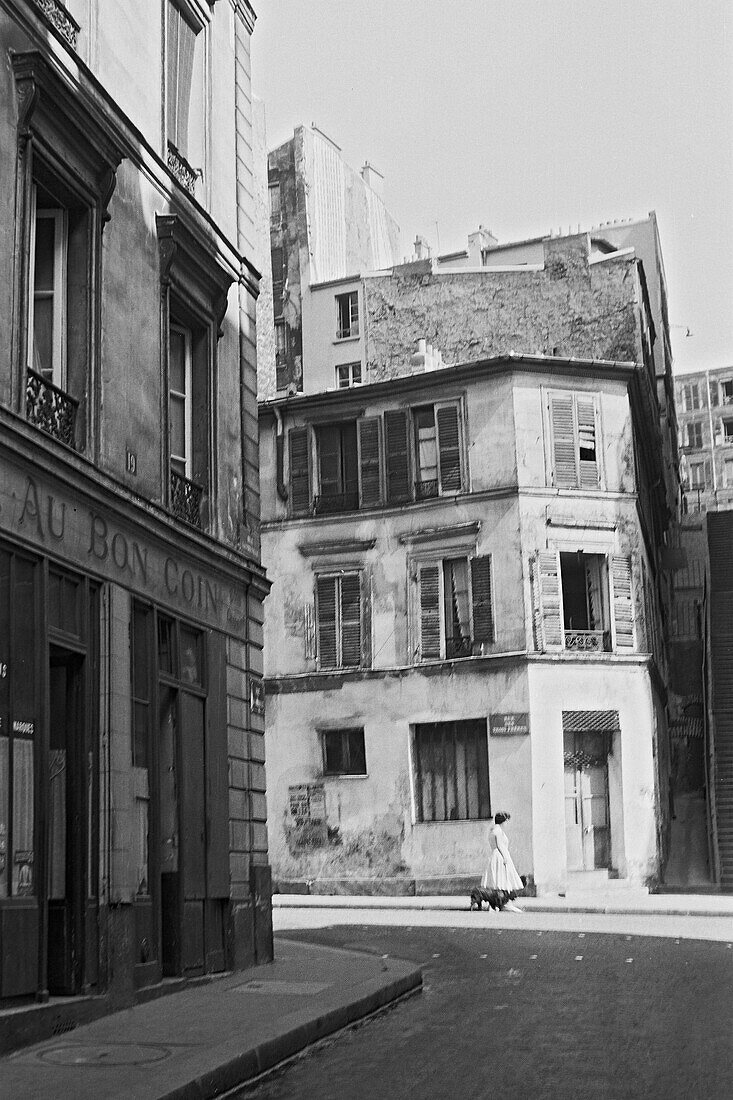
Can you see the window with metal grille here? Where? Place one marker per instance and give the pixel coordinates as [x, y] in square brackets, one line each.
[347, 315]
[454, 607]
[339, 620]
[451, 771]
[574, 435]
[344, 752]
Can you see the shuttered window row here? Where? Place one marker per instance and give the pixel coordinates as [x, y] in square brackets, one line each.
[405, 455]
[455, 614]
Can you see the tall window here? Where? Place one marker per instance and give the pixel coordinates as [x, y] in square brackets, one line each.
[180, 63]
[180, 400]
[586, 613]
[47, 339]
[275, 205]
[339, 620]
[451, 771]
[690, 396]
[698, 479]
[692, 435]
[347, 315]
[338, 477]
[454, 612]
[574, 434]
[142, 697]
[582, 602]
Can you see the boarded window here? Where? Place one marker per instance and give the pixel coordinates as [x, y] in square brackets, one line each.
[451, 769]
[339, 620]
[344, 752]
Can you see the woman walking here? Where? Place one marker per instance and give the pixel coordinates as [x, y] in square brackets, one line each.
[501, 874]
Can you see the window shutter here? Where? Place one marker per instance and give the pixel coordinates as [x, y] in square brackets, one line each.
[369, 482]
[563, 440]
[397, 458]
[429, 594]
[587, 443]
[350, 584]
[449, 448]
[623, 607]
[326, 616]
[549, 627]
[299, 470]
[366, 620]
[309, 632]
[483, 612]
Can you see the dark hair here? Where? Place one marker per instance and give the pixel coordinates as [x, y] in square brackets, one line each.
[500, 818]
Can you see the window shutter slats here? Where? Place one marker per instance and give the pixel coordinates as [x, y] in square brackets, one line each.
[326, 592]
[299, 470]
[369, 482]
[623, 606]
[563, 440]
[587, 442]
[549, 601]
[483, 612]
[449, 448]
[397, 458]
[429, 595]
[350, 585]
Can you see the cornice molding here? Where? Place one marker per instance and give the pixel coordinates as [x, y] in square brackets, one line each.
[192, 265]
[335, 547]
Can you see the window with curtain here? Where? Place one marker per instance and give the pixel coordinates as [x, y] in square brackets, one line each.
[180, 68]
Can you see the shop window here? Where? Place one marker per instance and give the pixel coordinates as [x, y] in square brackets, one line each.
[454, 607]
[574, 440]
[348, 374]
[583, 602]
[344, 752]
[64, 603]
[451, 771]
[185, 63]
[347, 315]
[339, 615]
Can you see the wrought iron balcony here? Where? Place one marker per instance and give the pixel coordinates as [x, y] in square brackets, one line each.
[329, 503]
[588, 641]
[186, 499]
[50, 408]
[458, 647]
[424, 490]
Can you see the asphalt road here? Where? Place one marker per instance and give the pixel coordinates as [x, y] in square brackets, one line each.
[529, 1014]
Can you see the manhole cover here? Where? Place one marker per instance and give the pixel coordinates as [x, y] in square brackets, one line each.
[292, 989]
[105, 1054]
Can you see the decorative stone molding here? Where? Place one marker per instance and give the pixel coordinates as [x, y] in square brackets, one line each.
[181, 169]
[189, 263]
[244, 10]
[60, 19]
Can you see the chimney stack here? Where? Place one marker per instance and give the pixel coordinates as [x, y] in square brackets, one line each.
[373, 179]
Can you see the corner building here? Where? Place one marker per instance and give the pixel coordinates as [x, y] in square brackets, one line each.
[132, 807]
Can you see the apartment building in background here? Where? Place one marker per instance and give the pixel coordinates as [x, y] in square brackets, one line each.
[133, 842]
[705, 412]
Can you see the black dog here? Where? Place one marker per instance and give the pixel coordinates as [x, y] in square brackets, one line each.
[493, 898]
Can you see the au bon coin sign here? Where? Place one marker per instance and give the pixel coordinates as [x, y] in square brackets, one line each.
[515, 724]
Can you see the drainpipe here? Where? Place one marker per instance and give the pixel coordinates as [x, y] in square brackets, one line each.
[282, 490]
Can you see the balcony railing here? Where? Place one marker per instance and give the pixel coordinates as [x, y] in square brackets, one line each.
[458, 647]
[330, 503]
[424, 490]
[51, 409]
[588, 641]
[186, 499]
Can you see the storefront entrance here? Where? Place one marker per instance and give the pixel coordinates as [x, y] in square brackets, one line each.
[587, 823]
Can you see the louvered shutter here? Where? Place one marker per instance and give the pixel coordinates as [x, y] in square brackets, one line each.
[397, 456]
[369, 482]
[429, 597]
[563, 441]
[449, 448]
[300, 494]
[350, 586]
[623, 605]
[326, 595]
[587, 442]
[483, 612]
[550, 634]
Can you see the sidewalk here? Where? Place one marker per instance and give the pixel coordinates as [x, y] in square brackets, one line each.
[205, 1040]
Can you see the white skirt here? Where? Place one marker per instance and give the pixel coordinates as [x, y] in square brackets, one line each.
[501, 875]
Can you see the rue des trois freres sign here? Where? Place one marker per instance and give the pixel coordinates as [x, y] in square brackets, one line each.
[93, 540]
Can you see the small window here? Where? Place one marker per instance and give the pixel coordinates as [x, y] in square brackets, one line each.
[451, 770]
[348, 374]
[697, 475]
[275, 205]
[726, 390]
[728, 431]
[347, 315]
[344, 752]
[690, 396]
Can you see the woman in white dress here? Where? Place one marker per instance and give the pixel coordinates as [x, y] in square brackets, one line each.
[501, 874]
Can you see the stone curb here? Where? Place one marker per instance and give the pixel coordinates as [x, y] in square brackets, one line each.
[271, 1053]
[352, 901]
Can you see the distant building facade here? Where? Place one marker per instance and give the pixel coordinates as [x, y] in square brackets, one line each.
[133, 839]
[705, 412]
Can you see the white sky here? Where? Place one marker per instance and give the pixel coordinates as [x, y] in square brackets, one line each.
[527, 116]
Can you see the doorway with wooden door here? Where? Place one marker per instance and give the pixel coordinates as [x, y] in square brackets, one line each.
[587, 817]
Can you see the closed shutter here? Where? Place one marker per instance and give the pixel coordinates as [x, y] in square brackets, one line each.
[563, 441]
[623, 606]
[429, 597]
[300, 493]
[483, 612]
[350, 585]
[550, 634]
[278, 281]
[587, 443]
[397, 456]
[326, 593]
[449, 448]
[217, 772]
[369, 481]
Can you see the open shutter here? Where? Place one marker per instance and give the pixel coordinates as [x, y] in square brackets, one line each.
[587, 442]
[397, 456]
[428, 579]
[350, 585]
[326, 591]
[623, 606]
[563, 440]
[483, 611]
[300, 493]
[546, 576]
[369, 482]
[449, 448]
